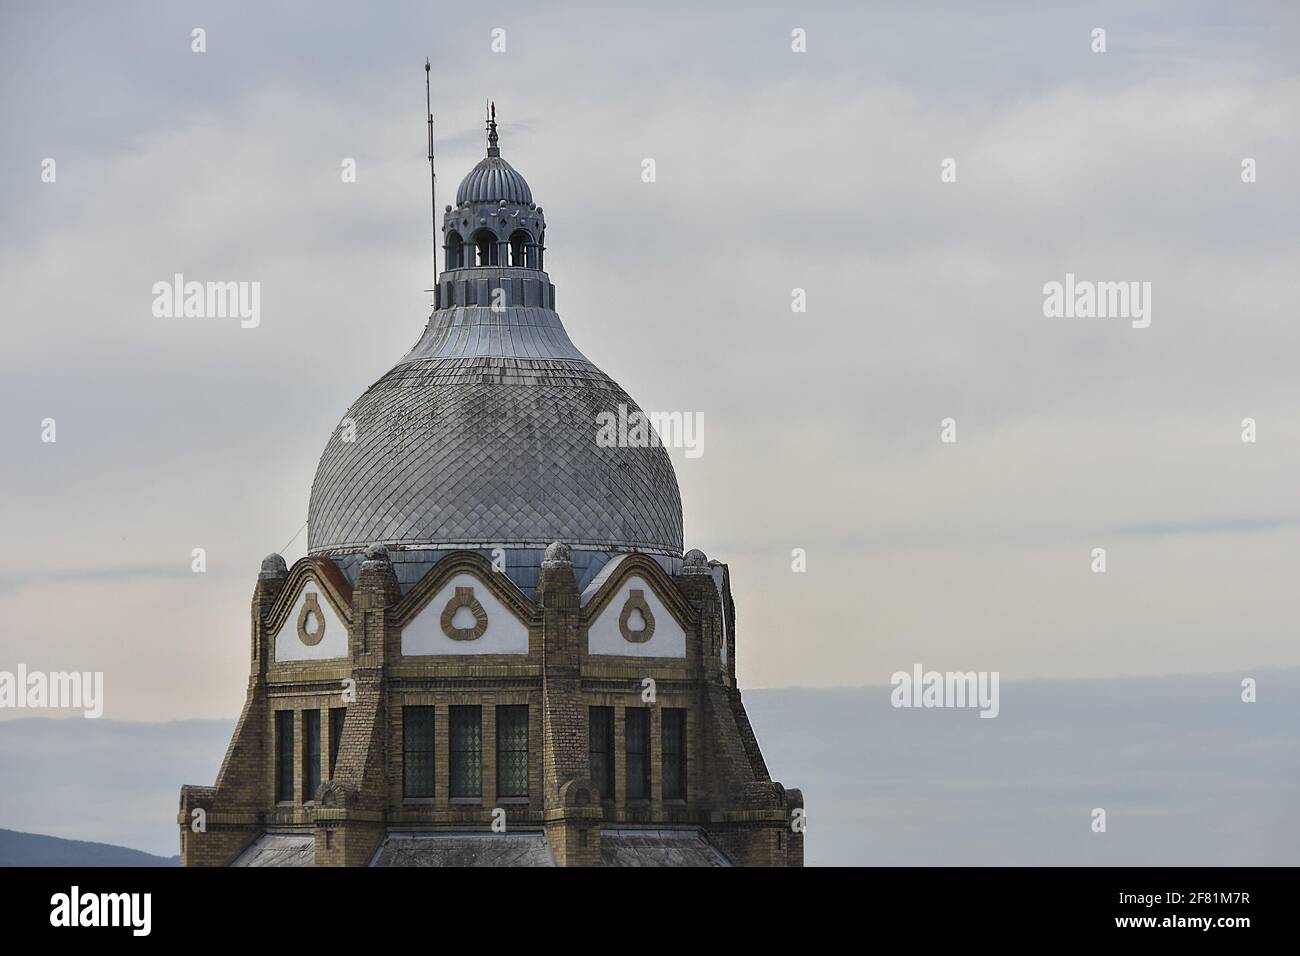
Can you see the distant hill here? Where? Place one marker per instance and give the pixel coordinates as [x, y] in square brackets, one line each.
[33, 849]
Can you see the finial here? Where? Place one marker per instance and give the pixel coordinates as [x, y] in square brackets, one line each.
[493, 148]
[426, 64]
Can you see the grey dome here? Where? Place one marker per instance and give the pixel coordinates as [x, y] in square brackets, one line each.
[484, 435]
[493, 180]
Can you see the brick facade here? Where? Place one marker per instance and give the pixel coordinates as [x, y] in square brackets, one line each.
[729, 793]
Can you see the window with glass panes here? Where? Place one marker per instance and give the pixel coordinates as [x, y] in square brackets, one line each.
[512, 750]
[674, 753]
[417, 751]
[337, 716]
[637, 732]
[310, 754]
[466, 751]
[284, 756]
[600, 735]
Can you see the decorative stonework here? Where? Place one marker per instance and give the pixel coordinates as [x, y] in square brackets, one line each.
[695, 562]
[273, 567]
[557, 554]
[464, 597]
[311, 608]
[636, 602]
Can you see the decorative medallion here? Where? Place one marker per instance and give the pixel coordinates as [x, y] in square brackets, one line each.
[310, 608]
[464, 597]
[636, 602]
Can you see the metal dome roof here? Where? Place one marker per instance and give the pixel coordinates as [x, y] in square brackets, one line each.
[484, 435]
[492, 180]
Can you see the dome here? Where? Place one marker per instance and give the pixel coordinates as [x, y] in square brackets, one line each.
[493, 180]
[484, 436]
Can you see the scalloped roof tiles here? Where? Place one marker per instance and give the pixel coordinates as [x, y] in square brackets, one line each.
[492, 180]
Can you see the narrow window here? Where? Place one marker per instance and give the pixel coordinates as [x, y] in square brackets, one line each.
[674, 753]
[466, 751]
[512, 750]
[521, 249]
[601, 749]
[310, 754]
[284, 756]
[417, 751]
[337, 716]
[638, 753]
[486, 244]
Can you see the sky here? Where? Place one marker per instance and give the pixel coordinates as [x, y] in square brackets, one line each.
[775, 170]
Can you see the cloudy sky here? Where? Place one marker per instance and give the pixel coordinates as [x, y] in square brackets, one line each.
[776, 170]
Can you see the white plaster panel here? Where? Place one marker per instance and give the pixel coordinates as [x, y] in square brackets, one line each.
[604, 636]
[289, 647]
[505, 633]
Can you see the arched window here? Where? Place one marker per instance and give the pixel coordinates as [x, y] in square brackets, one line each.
[455, 250]
[523, 252]
[485, 244]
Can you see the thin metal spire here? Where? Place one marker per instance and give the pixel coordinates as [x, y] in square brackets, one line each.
[493, 148]
[433, 175]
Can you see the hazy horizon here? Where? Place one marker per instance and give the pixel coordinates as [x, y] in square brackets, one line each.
[1187, 773]
[57, 714]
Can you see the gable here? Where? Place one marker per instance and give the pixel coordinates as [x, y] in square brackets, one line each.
[313, 630]
[627, 610]
[464, 617]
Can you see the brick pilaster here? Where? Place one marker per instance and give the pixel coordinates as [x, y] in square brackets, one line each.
[572, 809]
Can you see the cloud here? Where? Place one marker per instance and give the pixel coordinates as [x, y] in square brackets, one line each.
[776, 170]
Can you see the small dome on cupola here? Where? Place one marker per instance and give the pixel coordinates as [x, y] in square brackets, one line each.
[493, 179]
